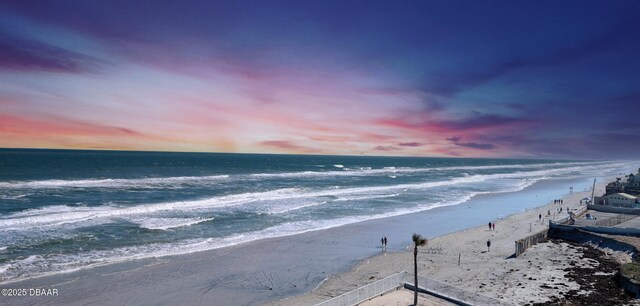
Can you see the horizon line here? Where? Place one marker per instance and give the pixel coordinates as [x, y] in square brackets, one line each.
[292, 154]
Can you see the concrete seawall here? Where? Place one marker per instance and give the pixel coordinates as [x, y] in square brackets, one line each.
[579, 235]
[612, 209]
[622, 231]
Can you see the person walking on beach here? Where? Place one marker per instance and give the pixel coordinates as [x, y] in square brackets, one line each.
[382, 242]
[385, 242]
[539, 217]
[488, 245]
[493, 225]
[489, 225]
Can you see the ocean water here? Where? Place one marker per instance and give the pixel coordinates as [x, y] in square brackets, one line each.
[65, 210]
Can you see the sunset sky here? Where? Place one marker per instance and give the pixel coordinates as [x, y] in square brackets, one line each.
[544, 79]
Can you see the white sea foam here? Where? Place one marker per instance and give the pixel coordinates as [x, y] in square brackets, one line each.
[56, 215]
[288, 206]
[168, 223]
[279, 209]
[368, 171]
[60, 214]
[366, 197]
[14, 197]
[152, 182]
[299, 174]
[176, 182]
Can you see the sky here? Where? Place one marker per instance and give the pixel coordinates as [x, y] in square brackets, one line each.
[532, 79]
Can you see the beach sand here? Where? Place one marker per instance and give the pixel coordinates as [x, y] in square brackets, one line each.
[534, 277]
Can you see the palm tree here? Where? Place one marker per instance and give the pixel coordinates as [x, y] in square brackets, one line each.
[417, 241]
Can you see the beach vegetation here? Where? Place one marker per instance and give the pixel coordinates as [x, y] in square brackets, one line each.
[631, 271]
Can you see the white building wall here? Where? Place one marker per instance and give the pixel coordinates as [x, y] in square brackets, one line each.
[617, 199]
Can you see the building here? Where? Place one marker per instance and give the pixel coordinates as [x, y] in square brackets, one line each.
[620, 200]
[631, 186]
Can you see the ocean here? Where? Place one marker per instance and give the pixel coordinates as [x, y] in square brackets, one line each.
[63, 210]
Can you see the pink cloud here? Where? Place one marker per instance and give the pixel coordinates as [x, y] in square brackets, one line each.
[386, 148]
[411, 144]
[65, 133]
[287, 146]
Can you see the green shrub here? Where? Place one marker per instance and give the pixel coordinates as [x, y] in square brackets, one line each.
[631, 271]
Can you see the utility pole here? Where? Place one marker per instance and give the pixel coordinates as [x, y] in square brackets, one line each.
[593, 189]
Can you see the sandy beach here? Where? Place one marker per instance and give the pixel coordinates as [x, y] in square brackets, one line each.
[534, 277]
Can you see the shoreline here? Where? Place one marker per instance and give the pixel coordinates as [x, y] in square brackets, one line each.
[271, 270]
